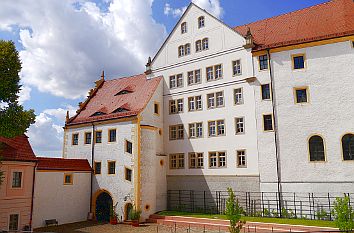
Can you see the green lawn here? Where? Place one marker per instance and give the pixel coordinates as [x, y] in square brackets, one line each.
[318, 223]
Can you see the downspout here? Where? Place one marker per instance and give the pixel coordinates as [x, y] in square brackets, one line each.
[33, 181]
[276, 136]
[138, 165]
[92, 164]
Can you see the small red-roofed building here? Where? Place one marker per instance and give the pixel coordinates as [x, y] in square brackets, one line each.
[18, 164]
[62, 190]
[118, 129]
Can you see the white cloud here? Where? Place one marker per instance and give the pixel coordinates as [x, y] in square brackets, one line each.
[211, 6]
[46, 135]
[24, 95]
[68, 42]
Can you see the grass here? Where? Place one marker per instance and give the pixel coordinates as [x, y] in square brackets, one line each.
[305, 222]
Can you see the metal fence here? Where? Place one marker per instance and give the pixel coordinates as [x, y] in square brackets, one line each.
[260, 204]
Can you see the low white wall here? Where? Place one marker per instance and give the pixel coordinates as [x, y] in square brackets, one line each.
[54, 200]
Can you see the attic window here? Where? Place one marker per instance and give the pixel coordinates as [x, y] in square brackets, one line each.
[123, 92]
[98, 114]
[120, 110]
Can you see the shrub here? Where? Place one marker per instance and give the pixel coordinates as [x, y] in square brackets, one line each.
[233, 212]
[343, 214]
[134, 214]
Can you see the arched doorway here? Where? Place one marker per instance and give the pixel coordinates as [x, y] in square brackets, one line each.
[128, 208]
[104, 204]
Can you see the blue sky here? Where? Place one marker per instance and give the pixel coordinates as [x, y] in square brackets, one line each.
[64, 46]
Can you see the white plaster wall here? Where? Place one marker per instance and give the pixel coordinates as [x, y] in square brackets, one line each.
[225, 46]
[54, 200]
[329, 75]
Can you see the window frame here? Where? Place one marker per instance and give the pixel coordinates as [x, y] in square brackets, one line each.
[233, 65]
[98, 131]
[306, 88]
[217, 160]
[205, 41]
[187, 49]
[85, 137]
[175, 101]
[12, 178]
[178, 158]
[201, 19]
[109, 135]
[177, 129]
[216, 128]
[309, 151]
[71, 175]
[243, 123]
[293, 61]
[126, 143]
[242, 97]
[72, 139]
[158, 108]
[196, 160]
[108, 167]
[259, 62]
[270, 91]
[194, 77]
[95, 167]
[341, 146]
[126, 169]
[18, 221]
[266, 114]
[184, 28]
[238, 158]
[198, 46]
[195, 124]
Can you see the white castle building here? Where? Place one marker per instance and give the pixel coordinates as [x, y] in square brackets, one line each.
[263, 107]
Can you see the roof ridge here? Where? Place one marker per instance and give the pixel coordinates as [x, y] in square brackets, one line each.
[287, 13]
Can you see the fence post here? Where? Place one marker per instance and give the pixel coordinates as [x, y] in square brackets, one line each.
[329, 207]
[313, 205]
[217, 201]
[246, 200]
[310, 205]
[204, 202]
[276, 198]
[168, 200]
[179, 200]
[262, 205]
[295, 204]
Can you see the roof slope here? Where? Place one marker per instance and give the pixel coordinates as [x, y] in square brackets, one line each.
[16, 149]
[45, 163]
[122, 97]
[328, 20]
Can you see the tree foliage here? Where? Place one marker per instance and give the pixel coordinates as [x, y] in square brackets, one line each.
[233, 212]
[343, 214]
[14, 120]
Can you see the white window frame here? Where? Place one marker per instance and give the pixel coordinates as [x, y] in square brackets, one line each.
[239, 125]
[183, 27]
[239, 158]
[238, 96]
[236, 67]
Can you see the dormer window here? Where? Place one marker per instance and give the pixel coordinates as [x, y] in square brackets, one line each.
[98, 114]
[123, 92]
[184, 27]
[201, 22]
[120, 110]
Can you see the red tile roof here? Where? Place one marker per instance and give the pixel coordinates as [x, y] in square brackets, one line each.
[328, 20]
[16, 149]
[61, 164]
[105, 99]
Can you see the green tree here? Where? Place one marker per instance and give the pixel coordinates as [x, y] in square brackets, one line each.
[14, 120]
[233, 212]
[343, 214]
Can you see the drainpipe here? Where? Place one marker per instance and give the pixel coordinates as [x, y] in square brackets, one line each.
[276, 133]
[33, 181]
[92, 164]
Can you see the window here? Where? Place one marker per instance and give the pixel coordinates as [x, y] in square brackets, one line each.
[201, 22]
[316, 148]
[216, 128]
[215, 100]
[128, 174]
[177, 161]
[181, 51]
[238, 96]
[156, 108]
[236, 67]
[263, 62]
[98, 137]
[123, 92]
[16, 179]
[13, 222]
[301, 95]
[298, 61]
[128, 147]
[111, 167]
[241, 158]
[198, 46]
[176, 132]
[75, 139]
[88, 137]
[112, 133]
[240, 125]
[195, 103]
[217, 159]
[265, 91]
[196, 160]
[187, 49]
[194, 77]
[176, 81]
[184, 27]
[268, 122]
[176, 106]
[196, 130]
[205, 44]
[68, 179]
[98, 167]
[348, 147]
[214, 72]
